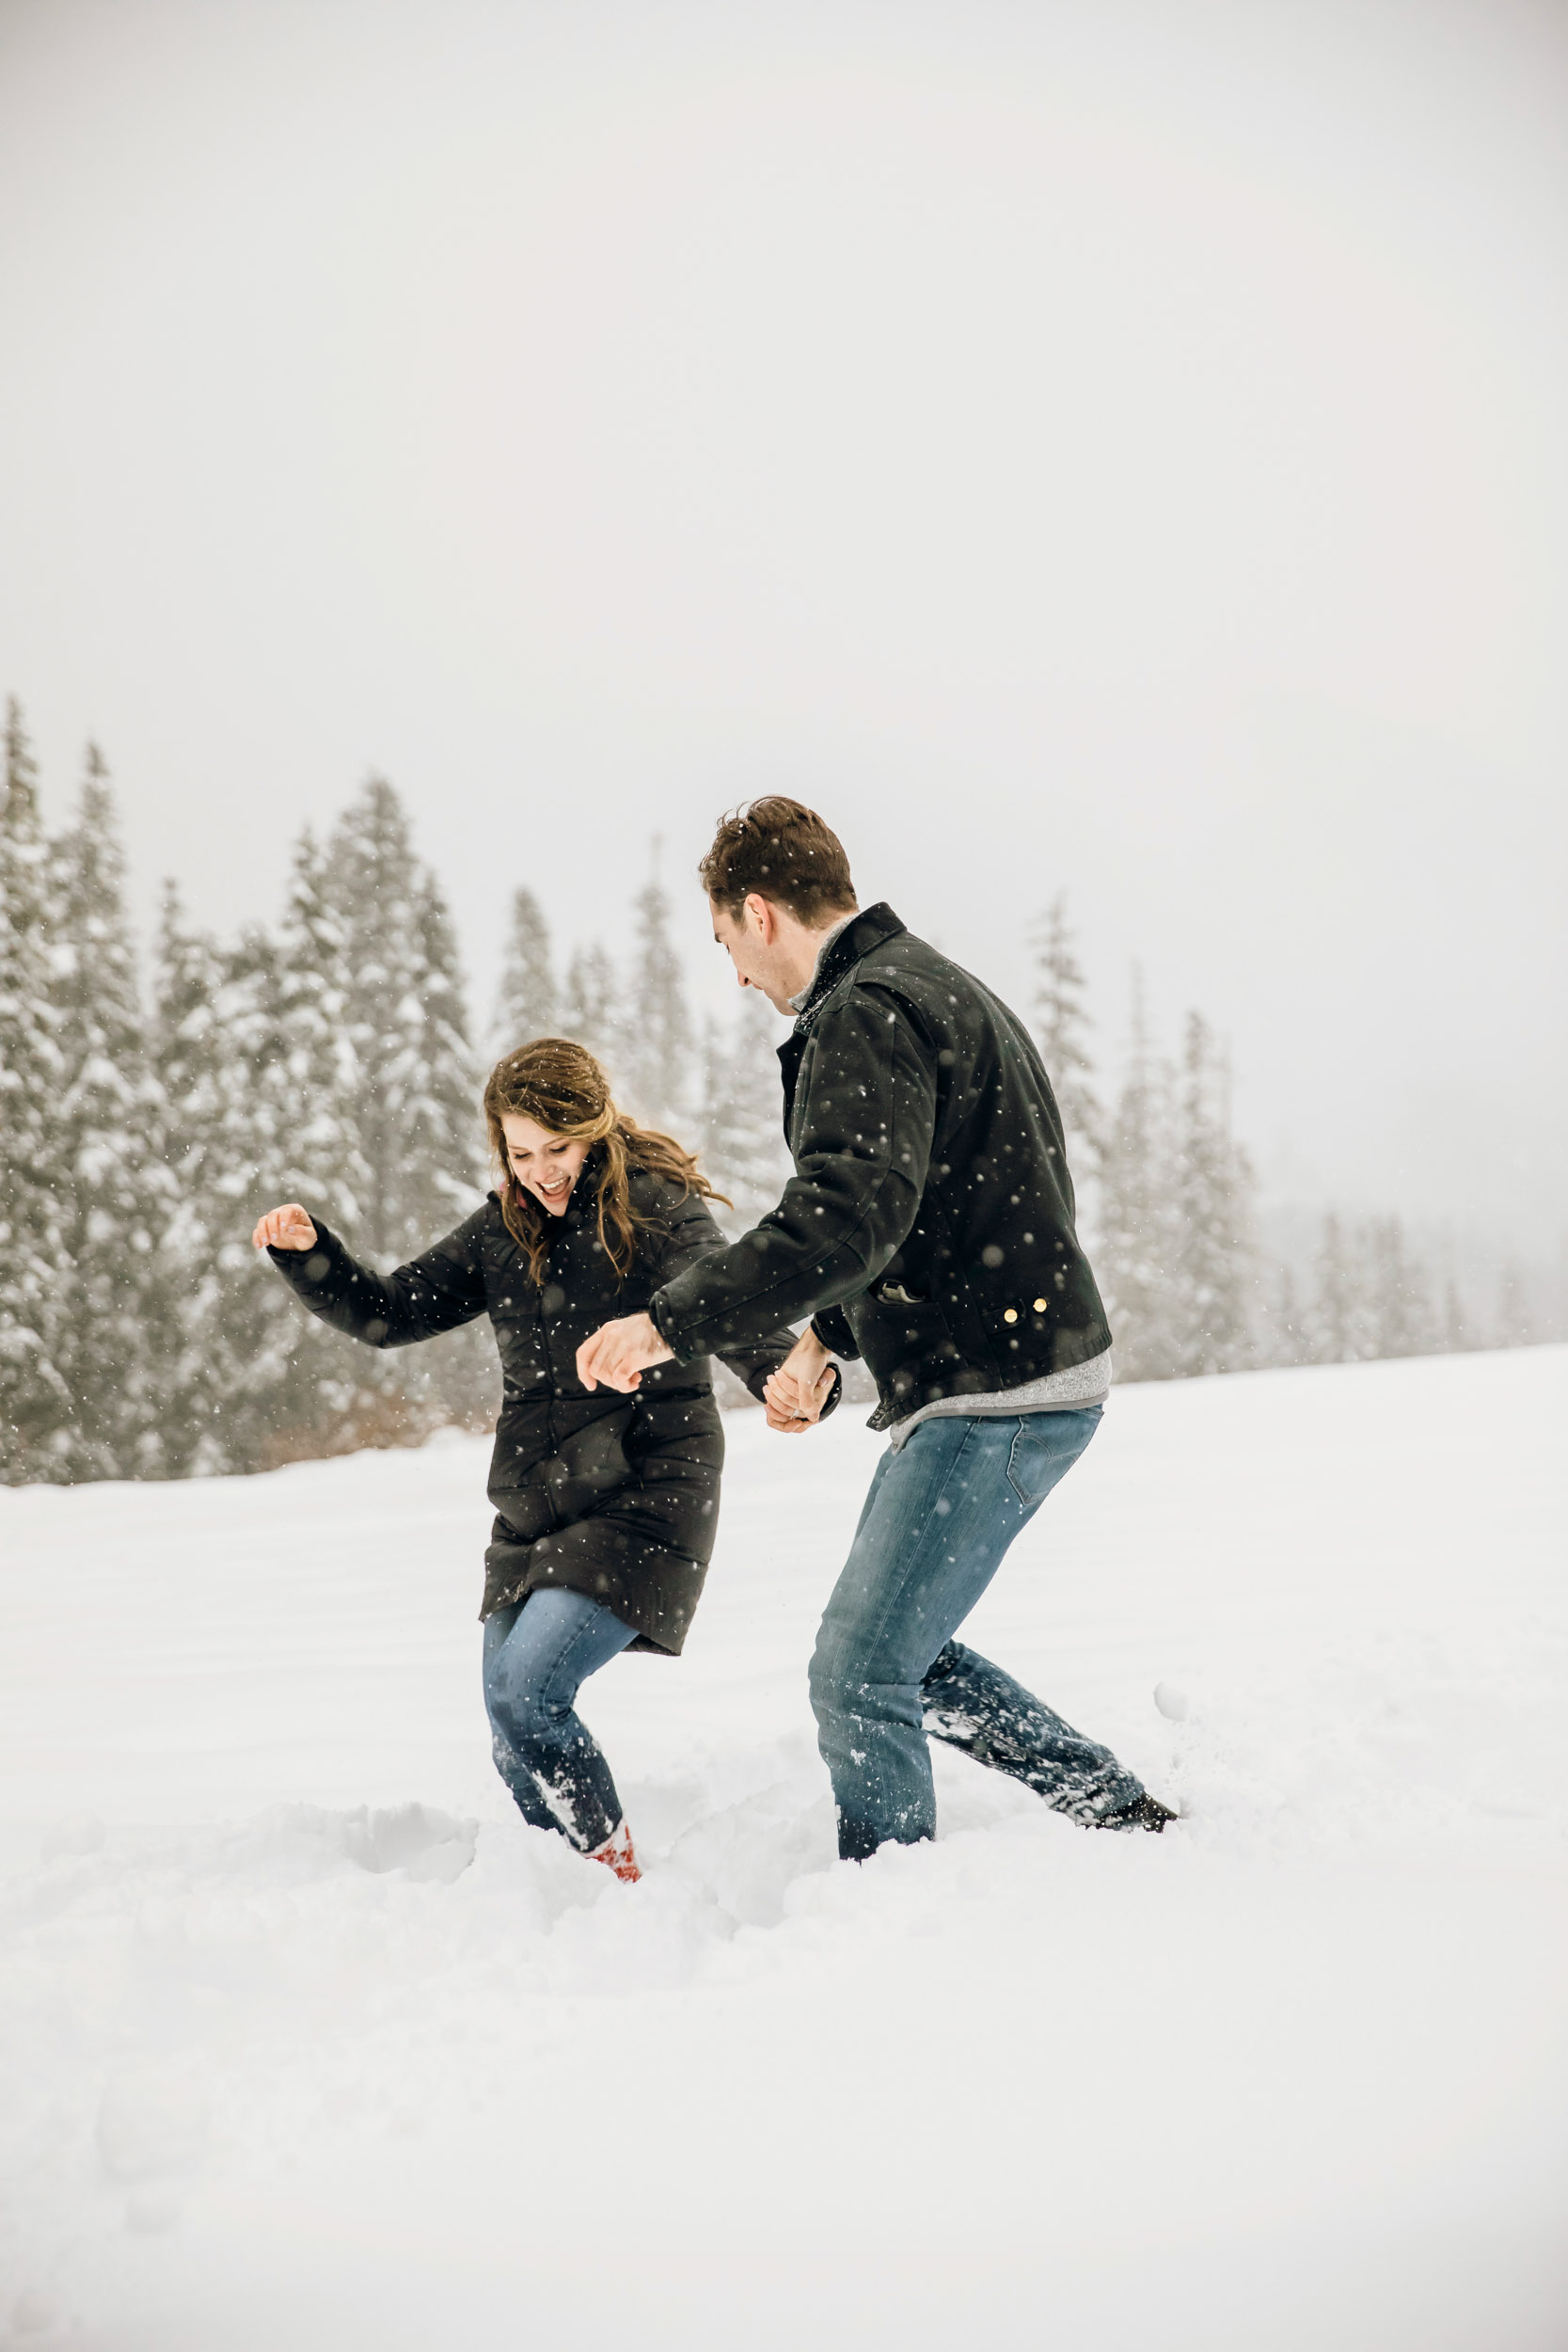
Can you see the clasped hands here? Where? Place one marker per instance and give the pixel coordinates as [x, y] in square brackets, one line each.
[619, 1352]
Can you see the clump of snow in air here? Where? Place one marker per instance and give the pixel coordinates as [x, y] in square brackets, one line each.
[308, 2039]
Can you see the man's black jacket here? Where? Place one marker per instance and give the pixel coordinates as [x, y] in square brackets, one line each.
[929, 1225]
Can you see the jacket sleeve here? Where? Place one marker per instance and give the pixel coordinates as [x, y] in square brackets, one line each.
[694, 1239]
[863, 1145]
[434, 1292]
[831, 1327]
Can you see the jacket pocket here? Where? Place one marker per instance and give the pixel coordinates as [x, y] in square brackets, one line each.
[589, 1463]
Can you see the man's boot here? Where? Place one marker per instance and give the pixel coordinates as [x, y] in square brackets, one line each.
[1145, 1812]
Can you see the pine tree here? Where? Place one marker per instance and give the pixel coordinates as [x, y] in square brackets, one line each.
[285, 1003]
[416, 1118]
[256, 1341]
[1335, 1321]
[1060, 1022]
[111, 1311]
[317, 1074]
[1402, 1314]
[1282, 1339]
[1456, 1338]
[1514, 1323]
[416, 1110]
[590, 1011]
[659, 1050]
[1215, 1264]
[194, 1059]
[526, 1002]
[35, 1399]
[1139, 1244]
[442, 1182]
[741, 1127]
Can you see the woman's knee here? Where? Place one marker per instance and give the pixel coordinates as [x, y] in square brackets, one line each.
[520, 1704]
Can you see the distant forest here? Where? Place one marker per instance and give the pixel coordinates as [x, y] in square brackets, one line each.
[332, 1061]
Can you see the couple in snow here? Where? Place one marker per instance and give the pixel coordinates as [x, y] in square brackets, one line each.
[928, 1228]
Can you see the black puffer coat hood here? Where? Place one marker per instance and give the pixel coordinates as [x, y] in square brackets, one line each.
[614, 1496]
[928, 1226]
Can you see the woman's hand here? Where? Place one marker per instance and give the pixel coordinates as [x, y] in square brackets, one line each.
[285, 1229]
[796, 1393]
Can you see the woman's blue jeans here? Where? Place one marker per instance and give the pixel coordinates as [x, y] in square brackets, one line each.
[937, 1524]
[537, 1655]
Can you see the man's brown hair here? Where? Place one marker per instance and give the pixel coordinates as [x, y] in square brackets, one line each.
[784, 852]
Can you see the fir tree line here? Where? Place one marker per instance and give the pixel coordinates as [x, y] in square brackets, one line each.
[331, 1060]
[141, 1336]
[1168, 1206]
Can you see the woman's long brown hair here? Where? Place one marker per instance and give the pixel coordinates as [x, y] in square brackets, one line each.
[561, 1087]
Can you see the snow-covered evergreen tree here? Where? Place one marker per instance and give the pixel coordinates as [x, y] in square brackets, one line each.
[444, 1184]
[527, 1003]
[590, 1010]
[219, 1128]
[112, 1314]
[658, 1055]
[1060, 1023]
[417, 1112]
[1212, 1182]
[1280, 1338]
[1138, 1250]
[1336, 1318]
[1513, 1321]
[416, 1119]
[256, 1342]
[1456, 1339]
[1401, 1310]
[741, 1127]
[35, 1399]
[317, 1076]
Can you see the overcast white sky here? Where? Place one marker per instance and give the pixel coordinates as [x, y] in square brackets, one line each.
[1102, 447]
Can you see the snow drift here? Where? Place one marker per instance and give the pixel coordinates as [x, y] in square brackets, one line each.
[307, 2040]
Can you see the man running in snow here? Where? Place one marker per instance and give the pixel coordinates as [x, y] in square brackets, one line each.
[928, 1228]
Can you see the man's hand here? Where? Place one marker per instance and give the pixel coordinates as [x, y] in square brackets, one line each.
[796, 1393]
[620, 1352]
[285, 1229]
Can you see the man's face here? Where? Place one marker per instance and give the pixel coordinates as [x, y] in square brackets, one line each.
[758, 951]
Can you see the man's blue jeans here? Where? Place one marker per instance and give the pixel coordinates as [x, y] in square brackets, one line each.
[537, 1655]
[937, 1523]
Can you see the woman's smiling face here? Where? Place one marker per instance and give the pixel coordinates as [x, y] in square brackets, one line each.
[548, 1166]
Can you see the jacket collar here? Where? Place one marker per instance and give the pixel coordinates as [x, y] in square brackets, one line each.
[858, 936]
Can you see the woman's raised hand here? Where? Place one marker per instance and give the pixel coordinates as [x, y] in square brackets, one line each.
[285, 1229]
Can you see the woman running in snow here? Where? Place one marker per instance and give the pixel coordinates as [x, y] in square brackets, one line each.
[607, 1503]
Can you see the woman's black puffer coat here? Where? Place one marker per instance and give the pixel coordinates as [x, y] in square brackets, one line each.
[610, 1495]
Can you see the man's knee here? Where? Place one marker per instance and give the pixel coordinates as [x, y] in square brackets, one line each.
[847, 1682]
[844, 1679]
[825, 1678]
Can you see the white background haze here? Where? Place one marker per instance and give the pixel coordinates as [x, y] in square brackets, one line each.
[1109, 449]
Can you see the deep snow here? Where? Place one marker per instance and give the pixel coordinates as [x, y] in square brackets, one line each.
[308, 2043]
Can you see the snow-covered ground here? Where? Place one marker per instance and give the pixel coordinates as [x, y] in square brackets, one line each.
[308, 2043]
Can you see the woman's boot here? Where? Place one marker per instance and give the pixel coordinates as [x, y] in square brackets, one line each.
[616, 1854]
